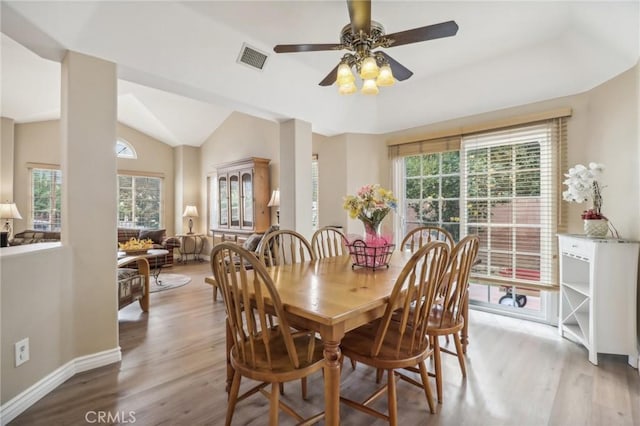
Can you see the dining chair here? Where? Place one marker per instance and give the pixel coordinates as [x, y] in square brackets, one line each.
[263, 346]
[418, 237]
[284, 247]
[446, 317]
[391, 345]
[328, 242]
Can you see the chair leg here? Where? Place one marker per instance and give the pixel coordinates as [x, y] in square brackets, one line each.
[233, 397]
[459, 352]
[392, 398]
[438, 365]
[353, 364]
[379, 373]
[303, 385]
[274, 408]
[424, 375]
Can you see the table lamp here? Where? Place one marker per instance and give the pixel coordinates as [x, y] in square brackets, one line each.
[190, 212]
[275, 202]
[7, 211]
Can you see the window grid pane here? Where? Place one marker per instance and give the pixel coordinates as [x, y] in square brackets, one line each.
[314, 192]
[506, 193]
[432, 192]
[139, 202]
[46, 185]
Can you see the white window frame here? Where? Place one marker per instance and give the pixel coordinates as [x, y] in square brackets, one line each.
[161, 199]
[32, 220]
[125, 150]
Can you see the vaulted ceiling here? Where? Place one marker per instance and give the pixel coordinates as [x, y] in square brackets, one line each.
[179, 77]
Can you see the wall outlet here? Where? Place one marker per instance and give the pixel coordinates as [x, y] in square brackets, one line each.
[22, 351]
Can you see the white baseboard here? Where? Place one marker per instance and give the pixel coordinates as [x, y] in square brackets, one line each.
[17, 405]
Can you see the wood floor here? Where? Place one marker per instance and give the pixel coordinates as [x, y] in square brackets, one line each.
[173, 373]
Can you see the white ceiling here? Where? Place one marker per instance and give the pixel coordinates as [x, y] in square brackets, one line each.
[179, 79]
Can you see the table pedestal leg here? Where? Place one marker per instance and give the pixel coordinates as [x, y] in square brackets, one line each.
[332, 383]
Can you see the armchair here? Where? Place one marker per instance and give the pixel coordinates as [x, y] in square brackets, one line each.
[133, 283]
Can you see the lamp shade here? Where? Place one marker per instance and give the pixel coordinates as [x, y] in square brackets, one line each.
[9, 211]
[190, 211]
[275, 199]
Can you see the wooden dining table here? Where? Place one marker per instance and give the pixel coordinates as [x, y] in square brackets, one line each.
[331, 297]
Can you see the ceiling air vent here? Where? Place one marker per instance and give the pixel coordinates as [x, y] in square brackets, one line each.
[252, 57]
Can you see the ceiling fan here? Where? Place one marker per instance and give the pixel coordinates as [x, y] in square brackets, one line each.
[360, 37]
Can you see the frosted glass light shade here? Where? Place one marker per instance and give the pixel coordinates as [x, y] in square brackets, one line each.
[369, 87]
[385, 78]
[345, 75]
[369, 68]
[347, 88]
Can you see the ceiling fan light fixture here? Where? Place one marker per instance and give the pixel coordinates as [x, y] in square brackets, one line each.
[345, 75]
[385, 78]
[369, 87]
[369, 68]
[347, 88]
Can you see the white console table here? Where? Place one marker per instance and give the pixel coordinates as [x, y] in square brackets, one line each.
[598, 284]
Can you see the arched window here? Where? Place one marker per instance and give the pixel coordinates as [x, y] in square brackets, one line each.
[124, 149]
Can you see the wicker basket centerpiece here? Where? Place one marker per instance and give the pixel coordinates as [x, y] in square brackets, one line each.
[370, 256]
[135, 247]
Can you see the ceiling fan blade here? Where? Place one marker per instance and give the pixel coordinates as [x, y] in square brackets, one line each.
[292, 48]
[330, 78]
[400, 72]
[430, 32]
[360, 15]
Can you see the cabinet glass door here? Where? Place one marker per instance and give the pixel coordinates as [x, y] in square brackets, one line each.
[223, 197]
[247, 200]
[234, 199]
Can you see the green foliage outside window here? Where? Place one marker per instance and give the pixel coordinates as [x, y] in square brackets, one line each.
[46, 187]
[139, 202]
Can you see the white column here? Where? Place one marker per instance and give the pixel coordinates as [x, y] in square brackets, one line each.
[6, 160]
[295, 176]
[89, 197]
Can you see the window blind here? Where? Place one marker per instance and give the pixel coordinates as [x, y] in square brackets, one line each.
[425, 147]
[510, 193]
[46, 201]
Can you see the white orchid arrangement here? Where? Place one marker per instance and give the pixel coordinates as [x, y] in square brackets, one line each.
[582, 185]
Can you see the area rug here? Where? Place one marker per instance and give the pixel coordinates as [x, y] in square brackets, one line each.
[168, 281]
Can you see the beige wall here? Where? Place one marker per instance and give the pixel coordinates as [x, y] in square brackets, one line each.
[187, 188]
[39, 142]
[153, 157]
[240, 136]
[332, 173]
[603, 128]
[37, 302]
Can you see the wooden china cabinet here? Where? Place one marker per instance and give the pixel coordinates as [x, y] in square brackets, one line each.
[243, 194]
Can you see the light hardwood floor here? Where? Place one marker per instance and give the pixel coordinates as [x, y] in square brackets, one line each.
[173, 373]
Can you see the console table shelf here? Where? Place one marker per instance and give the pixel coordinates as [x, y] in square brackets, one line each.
[598, 278]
